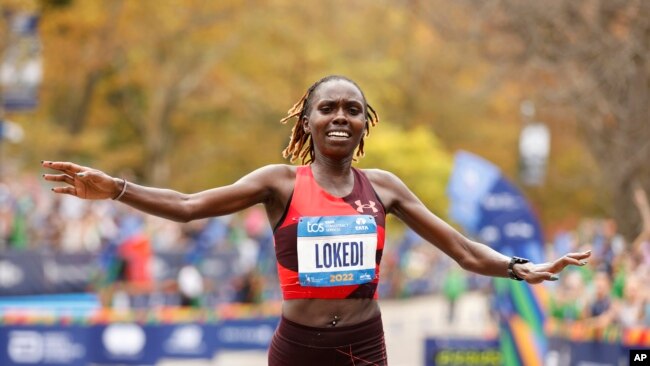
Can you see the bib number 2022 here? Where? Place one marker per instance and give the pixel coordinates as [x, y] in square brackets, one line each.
[341, 277]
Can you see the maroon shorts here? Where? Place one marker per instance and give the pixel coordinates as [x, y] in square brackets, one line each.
[355, 345]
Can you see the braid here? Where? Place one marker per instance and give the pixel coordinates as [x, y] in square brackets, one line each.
[298, 135]
[372, 117]
[299, 138]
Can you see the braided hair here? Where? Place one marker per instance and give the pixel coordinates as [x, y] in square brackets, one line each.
[301, 145]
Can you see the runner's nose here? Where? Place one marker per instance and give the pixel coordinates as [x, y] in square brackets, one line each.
[340, 118]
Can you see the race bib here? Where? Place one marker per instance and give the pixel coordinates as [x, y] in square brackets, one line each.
[336, 250]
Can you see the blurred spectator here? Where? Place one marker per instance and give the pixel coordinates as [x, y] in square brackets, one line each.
[453, 287]
[641, 245]
[135, 251]
[190, 285]
[646, 306]
[165, 235]
[249, 288]
[568, 301]
[622, 267]
[258, 229]
[602, 300]
[598, 312]
[641, 250]
[628, 311]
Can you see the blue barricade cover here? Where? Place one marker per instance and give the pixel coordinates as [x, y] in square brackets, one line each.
[30, 273]
[245, 334]
[129, 343]
[45, 345]
[22, 274]
[593, 353]
[125, 344]
[187, 341]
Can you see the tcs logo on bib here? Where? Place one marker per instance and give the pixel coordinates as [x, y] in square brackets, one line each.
[313, 227]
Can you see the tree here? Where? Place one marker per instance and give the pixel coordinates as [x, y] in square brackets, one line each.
[590, 56]
[188, 94]
[137, 62]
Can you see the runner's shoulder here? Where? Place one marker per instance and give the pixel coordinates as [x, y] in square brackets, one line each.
[277, 173]
[381, 178]
[279, 169]
[388, 186]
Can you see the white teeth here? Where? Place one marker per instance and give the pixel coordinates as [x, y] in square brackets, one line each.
[338, 134]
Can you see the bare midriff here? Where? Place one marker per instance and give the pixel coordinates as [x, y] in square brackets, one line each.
[327, 313]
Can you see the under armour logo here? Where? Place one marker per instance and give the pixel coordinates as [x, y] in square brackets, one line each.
[370, 205]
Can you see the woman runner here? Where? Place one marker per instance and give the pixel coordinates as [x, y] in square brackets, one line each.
[328, 219]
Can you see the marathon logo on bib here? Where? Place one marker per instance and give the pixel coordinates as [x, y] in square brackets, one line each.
[336, 250]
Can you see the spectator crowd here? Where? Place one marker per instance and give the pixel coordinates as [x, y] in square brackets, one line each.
[613, 289]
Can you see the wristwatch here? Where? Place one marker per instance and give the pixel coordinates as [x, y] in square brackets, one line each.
[511, 265]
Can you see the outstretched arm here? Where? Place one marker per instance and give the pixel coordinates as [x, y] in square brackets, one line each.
[470, 255]
[87, 183]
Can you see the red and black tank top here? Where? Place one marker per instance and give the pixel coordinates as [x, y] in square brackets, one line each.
[330, 247]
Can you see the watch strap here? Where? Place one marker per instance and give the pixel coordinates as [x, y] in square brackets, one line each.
[511, 272]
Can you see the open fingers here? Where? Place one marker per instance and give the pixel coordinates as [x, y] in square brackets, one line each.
[548, 276]
[581, 255]
[65, 190]
[576, 259]
[59, 178]
[566, 260]
[538, 277]
[66, 167]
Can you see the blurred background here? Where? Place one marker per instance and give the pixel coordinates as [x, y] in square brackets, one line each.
[524, 124]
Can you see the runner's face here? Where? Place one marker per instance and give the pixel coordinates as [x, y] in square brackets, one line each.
[337, 119]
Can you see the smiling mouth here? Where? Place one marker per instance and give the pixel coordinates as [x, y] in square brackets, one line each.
[338, 134]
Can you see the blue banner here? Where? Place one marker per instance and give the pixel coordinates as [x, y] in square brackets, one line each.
[508, 224]
[129, 343]
[70, 272]
[187, 341]
[491, 209]
[21, 273]
[45, 345]
[33, 273]
[125, 344]
[593, 353]
[246, 334]
[28, 272]
[471, 179]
